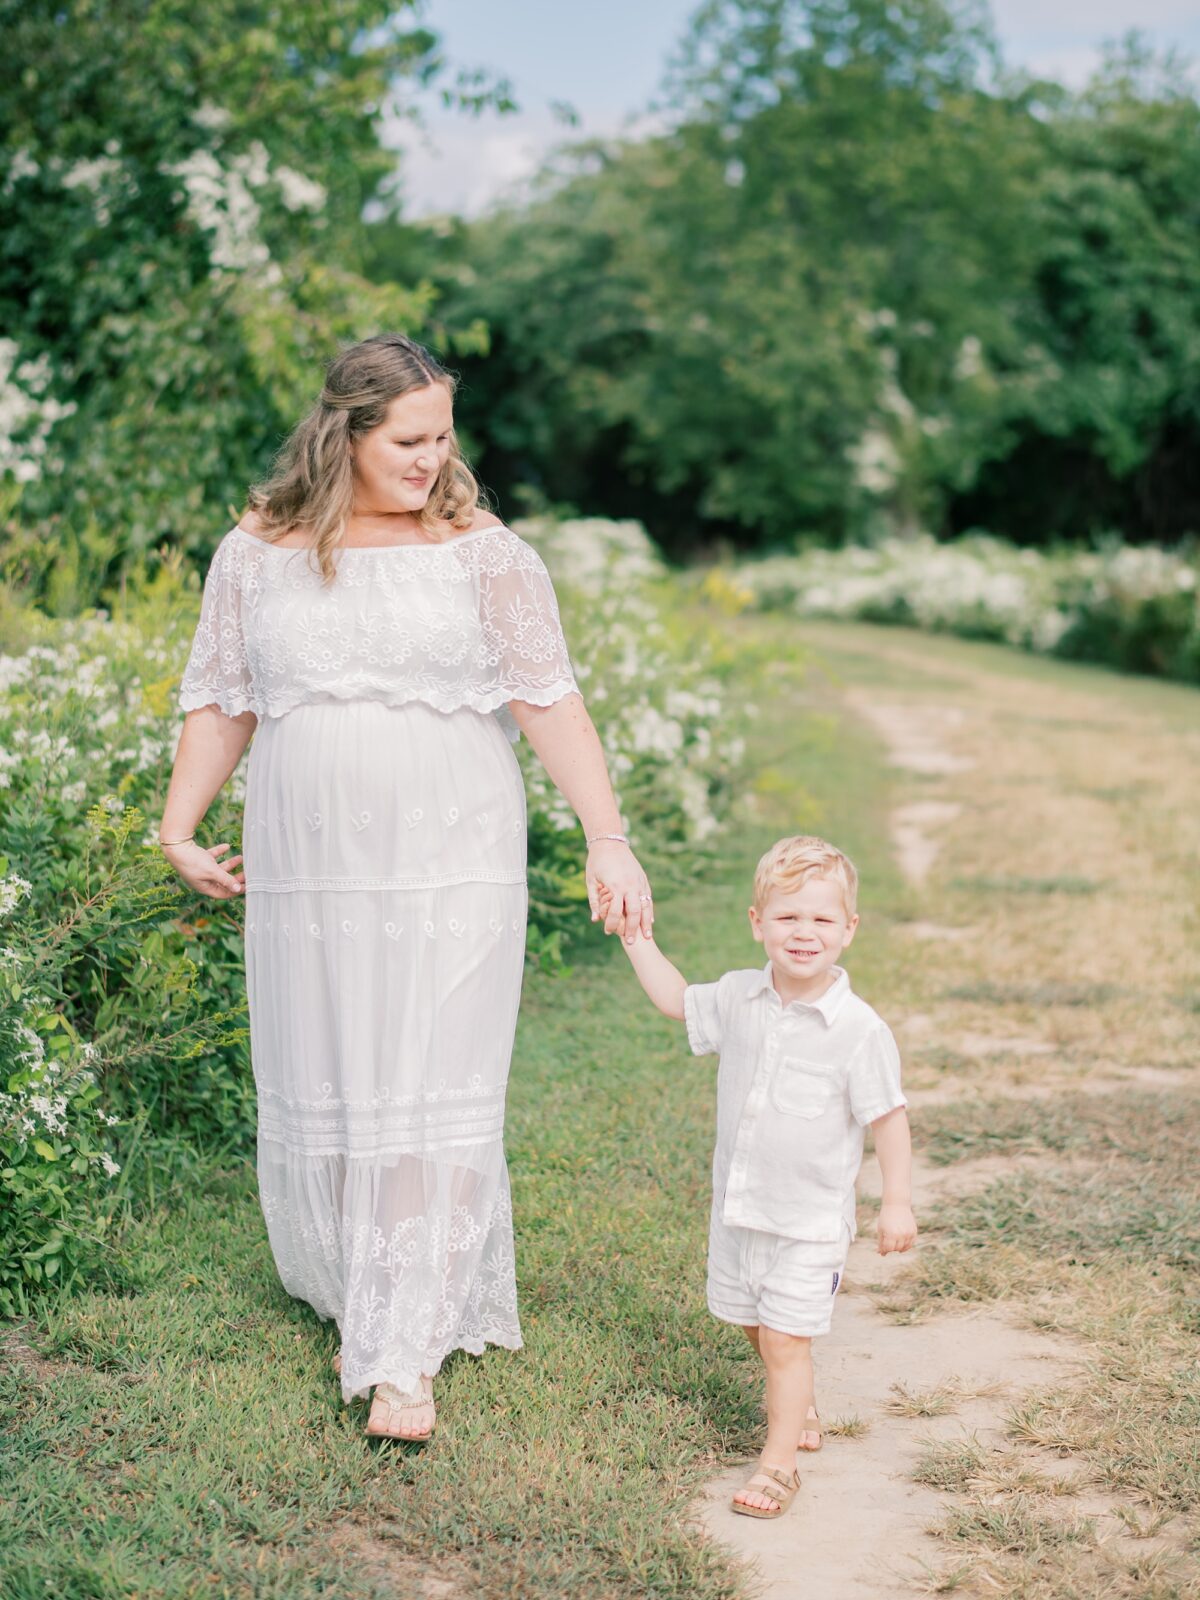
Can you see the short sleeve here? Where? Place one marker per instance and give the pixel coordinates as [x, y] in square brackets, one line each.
[874, 1076]
[218, 669]
[524, 647]
[702, 1017]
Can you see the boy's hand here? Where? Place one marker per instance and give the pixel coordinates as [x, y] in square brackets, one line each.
[604, 899]
[896, 1228]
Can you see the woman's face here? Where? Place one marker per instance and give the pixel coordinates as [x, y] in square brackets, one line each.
[395, 464]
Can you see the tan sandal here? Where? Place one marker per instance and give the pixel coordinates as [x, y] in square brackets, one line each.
[813, 1425]
[396, 1401]
[773, 1484]
[336, 1364]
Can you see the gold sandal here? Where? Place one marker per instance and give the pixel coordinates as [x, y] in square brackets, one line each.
[813, 1425]
[772, 1483]
[395, 1401]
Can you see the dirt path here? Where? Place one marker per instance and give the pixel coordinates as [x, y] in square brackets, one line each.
[1032, 801]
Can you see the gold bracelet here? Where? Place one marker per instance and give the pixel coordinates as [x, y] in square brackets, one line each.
[163, 843]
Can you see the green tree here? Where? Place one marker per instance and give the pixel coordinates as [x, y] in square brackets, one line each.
[1095, 419]
[750, 325]
[181, 194]
[864, 281]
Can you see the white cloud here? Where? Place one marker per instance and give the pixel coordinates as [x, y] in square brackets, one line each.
[466, 165]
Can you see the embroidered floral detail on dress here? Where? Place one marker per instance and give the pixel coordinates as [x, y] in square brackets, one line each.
[472, 621]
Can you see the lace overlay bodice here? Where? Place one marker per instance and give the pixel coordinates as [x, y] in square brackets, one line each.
[469, 622]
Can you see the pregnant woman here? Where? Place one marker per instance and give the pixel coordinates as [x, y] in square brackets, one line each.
[383, 640]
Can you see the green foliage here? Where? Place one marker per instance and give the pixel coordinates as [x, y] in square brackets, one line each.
[180, 251]
[111, 952]
[1134, 609]
[866, 283]
[107, 935]
[55, 1193]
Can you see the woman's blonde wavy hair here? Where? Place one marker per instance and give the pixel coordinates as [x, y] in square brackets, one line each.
[311, 485]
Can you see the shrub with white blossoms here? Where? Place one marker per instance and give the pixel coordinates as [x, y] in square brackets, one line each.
[1132, 607]
[660, 712]
[28, 413]
[220, 192]
[55, 1167]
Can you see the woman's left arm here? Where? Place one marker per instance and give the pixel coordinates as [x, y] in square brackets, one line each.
[565, 740]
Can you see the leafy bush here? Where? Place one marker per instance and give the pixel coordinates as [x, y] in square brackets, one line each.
[117, 983]
[1137, 609]
[181, 201]
[650, 676]
[120, 948]
[56, 1171]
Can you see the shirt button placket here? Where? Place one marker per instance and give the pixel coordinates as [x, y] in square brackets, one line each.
[739, 1165]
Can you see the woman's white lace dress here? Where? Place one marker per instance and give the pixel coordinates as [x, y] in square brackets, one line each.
[384, 845]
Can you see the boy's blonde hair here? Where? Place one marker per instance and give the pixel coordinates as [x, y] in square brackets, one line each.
[792, 862]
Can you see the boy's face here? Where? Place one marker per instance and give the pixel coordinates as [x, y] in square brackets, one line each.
[804, 930]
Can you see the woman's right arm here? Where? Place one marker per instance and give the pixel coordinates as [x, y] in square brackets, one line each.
[210, 747]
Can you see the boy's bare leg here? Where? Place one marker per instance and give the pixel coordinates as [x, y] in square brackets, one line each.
[788, 1360]
[810, 1438]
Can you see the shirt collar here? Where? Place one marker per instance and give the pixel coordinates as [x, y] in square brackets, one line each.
[827, 1006]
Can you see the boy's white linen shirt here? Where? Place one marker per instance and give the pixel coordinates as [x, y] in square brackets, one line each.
[796, 1086]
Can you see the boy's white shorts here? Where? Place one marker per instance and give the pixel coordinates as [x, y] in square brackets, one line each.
[765, 1279]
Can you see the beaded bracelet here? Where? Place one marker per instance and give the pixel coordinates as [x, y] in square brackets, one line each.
[619, 837]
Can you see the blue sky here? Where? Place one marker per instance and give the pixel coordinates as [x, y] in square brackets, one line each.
[605, 58]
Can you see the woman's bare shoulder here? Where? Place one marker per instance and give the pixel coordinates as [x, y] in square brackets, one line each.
[481, 519]
[250, 522]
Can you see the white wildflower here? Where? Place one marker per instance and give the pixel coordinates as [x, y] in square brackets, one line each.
[298, 192]
[27, 414]
[12, 890]
[876, 462]
[968, 361]
[212, 118]
[220, 202]
[21, 165]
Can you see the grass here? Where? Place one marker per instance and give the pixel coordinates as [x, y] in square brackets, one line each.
[1005, 885]
[1080, 911]
[178, 1431]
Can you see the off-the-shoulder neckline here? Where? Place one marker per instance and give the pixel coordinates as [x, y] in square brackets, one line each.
[371, 549]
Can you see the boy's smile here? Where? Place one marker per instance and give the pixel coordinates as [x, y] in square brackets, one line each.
[803, 931]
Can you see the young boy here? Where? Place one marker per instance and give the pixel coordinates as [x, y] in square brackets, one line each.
[805, 1066]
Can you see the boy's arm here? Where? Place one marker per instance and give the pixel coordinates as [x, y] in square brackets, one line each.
[660, 978]
[897, 1227]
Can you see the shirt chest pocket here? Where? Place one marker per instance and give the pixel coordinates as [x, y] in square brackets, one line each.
[802, 1088]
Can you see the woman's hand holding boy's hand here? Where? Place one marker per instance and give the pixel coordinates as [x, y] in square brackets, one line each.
[896, 1228]
[620, 892]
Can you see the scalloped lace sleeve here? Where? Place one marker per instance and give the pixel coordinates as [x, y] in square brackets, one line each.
[218, 669]
[522, 635]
